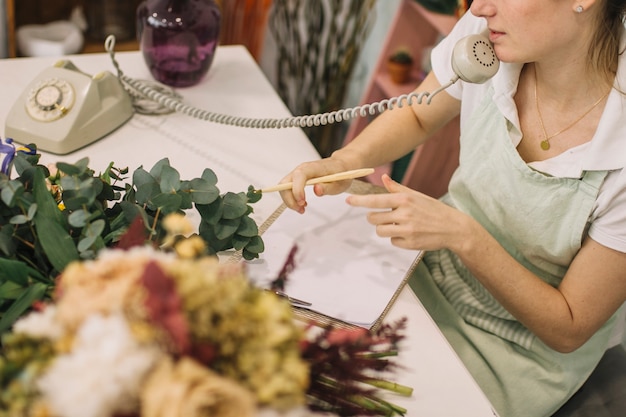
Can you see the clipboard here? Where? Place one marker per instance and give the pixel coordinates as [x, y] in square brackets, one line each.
[351, 275]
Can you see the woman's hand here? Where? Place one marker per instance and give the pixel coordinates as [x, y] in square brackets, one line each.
[295, 198]
[413, 220]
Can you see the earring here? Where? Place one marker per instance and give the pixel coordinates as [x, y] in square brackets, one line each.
[579, 9]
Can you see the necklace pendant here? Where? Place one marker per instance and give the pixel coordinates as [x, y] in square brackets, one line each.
[545, 145]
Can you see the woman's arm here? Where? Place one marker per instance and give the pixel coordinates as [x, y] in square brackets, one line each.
[393, 134]
[564, 318]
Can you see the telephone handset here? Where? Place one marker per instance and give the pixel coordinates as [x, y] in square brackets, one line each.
[64, 109]
[474, 60]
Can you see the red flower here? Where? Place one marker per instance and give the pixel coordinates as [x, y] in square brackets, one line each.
[165, 307]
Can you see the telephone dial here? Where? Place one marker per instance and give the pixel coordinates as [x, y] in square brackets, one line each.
[64, 109]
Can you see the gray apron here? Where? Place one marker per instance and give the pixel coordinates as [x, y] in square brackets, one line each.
[541, 221]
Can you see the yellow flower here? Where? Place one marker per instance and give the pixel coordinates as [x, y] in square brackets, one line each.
[191, 247]
[188, 389]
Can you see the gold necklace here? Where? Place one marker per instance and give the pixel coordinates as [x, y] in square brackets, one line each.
[545, 143]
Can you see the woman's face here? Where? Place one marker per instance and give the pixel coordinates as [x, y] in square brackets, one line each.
[532, 30]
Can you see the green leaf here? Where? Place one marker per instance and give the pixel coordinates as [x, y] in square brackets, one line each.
[33, 293]
[239, 242]
[47, 207]
[78, 218]
[7, 246]
[11, 191]
[146, 192]
[209, 176]
[10, 290]
[211, 213]
[226, 228]
[203, 192]
[142, 177]
[56, 242]
[51, 226]
[170, 180]
[158, 167]
[75, 202]
[15, 271]
[234, 206]
[248, 227]
[32, 210]
[256, 245]
[168, 203]
[253, 195]
[92, 234]
[70, 169]
[21, 163]
[18, 219]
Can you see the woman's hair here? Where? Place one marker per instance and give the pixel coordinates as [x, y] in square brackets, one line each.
[605, 45]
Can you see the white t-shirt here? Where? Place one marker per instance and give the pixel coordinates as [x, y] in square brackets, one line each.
[606, 150]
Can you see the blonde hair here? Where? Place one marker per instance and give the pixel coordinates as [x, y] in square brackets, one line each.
[605, 50]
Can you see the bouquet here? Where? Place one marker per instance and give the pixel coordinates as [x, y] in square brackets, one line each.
[117, 308]
[53, 215]
[143, 332]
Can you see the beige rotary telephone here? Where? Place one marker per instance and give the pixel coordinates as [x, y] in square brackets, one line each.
[64, 109]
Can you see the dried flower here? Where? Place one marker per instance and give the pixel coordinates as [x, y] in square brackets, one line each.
[187, 389]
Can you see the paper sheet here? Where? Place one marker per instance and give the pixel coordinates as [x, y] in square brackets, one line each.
[342, 267]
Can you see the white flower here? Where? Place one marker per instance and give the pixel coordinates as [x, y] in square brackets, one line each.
[103, 372]
[40, 324]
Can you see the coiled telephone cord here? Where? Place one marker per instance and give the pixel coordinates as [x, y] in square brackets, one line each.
[154, 98]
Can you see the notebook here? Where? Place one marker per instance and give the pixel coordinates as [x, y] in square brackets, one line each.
[349, 275]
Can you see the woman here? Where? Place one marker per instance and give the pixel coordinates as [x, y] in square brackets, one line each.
[527, 252]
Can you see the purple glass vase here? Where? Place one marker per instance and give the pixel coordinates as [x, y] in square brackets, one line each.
[178, 38]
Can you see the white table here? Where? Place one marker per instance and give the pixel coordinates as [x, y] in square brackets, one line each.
[241, 157]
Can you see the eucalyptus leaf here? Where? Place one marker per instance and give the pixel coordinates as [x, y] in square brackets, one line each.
[168, 203]
[247, 227]
[32, 210]
[75, 202]
[234, 206]
[170, 179]
[253, 195]
[239, 242]
[209, 176]
[203, 191]
[142, 177]
[70, 183]
[70, 169]
[11, 191]
[211, 213]
[226, 228]
[147, 192]
[78, 218]
[19, 219]
[78, 168]
[156, 170]
[256, 245]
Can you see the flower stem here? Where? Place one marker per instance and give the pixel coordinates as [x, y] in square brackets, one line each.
[390, 386]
